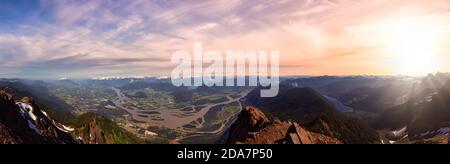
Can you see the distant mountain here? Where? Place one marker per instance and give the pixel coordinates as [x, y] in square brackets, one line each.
[292, 103]
[253, 127]
[66, 83]
[140, 85]
[95, 129]
[121, 81]
[424, 115]
[314, 112]
[378, 99]
[24, 122]
[394, 93]
[335, 85]
[372, 94]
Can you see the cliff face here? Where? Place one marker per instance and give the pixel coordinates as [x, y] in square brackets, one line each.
[91, 133]
[250, 121]
[24, 123]
[253, 127]
[96, 129]
[306, 137]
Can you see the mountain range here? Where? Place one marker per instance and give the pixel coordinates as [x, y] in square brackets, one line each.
[307, 110]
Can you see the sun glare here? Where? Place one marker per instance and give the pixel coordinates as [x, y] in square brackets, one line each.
[414, 46]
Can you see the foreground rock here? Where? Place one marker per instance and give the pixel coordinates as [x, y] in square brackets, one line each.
[92, 128]
[24, 123]
[253, 127]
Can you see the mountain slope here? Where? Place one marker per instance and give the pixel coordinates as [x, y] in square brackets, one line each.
[6, 136]
[55, 107]
[315, 113]
[24, 123]
[423, 116]
[95, 129]
[299, 104]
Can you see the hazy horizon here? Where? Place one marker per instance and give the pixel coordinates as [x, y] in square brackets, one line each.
[166, 77]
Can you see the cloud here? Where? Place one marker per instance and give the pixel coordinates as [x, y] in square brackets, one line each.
[84, 62]
[138, 37]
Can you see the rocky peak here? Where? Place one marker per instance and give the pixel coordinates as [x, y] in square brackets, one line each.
[24, 122]
[6, 98]
[92, 128]
[255, 118]
[91, 131]
[253, 127]
[249, 120]
[299, 135]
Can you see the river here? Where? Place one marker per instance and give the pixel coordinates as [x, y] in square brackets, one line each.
[173, 118]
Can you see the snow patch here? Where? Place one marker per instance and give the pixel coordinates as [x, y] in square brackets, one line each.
[444, 130]
[120, 77]
[62, 127]
[150, 133]
[26, 108]
[428, 98]
[45, 113]
[26, 111]
[162, 77]
[400, 131]
[110, 107]
[68, 128]
[32, 126]
[22, 113]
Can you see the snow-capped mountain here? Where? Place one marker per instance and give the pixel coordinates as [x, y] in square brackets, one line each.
[121, 77]
[24, 123]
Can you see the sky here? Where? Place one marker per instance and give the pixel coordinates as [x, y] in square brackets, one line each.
[93, 38]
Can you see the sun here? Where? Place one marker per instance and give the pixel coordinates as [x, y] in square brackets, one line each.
[414, 46]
